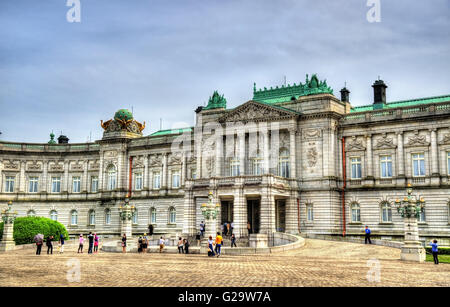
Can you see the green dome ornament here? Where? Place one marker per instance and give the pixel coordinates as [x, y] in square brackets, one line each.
[123, 115]
[52, 139]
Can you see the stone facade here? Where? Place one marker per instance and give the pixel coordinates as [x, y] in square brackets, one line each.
[310, 164]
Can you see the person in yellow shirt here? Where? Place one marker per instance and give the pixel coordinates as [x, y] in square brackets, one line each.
[219, 241]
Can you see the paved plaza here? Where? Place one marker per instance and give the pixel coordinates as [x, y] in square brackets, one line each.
[319, 263]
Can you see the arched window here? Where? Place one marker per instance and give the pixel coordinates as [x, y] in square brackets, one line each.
[172, 215]
[135, 217]
[111, 178]
[54, 215]
[283, 163]
[386, 212]
[356, 213]
[74, 217]
[107, 216]
[31, 213]
[153, 216]
[91, 217]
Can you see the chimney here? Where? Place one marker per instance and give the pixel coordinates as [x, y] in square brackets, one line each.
[345, 95]
[379, 94]
[62, 139]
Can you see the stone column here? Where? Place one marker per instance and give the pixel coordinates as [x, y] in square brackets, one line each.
[199, 156]
[44, 183]
[66, 177]
[183, 169]
[292, 214]
[164, 172]
[401, 179]
[22, 179]
[189, 214]
[412, 249]
[100, 174]
[146, 185]
[242, 162]
[267, 219]
[292, 152]
[85, 177]
[240, 213]
[7, 242]
[435, 176]
[369, 174]
[266, 151]
[219, 155]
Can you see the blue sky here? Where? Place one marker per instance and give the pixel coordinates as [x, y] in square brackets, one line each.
[165, 58]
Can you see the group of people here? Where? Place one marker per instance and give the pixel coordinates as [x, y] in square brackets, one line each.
[39, 240]
[183, 246]
[215, 245]
[143, 244]
[93, 240]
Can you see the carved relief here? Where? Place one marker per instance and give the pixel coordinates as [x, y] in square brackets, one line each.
[312, 133]
[445, 140]
[254, 111]
[384, 143]
[156, 160]
[34, 166]
[95, 165]
[210, 162]
[417, 140]
[312, 157]
[111, 154]
[138, 162]
[175, 159]
[355, 145]
[56, 167]
[77, 166]
[10, 165]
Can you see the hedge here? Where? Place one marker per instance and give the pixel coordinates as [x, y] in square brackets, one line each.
[25, 228]
[441, 250]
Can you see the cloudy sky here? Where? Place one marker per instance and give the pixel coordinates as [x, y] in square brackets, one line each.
[165, 58]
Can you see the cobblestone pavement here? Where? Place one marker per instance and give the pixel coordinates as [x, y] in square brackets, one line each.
[319, 263]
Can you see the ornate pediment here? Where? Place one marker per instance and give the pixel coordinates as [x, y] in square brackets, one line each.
[33, 166]
[76, 166]
[417, 140]
[138, 162]
[156, 161]
[355, 145]
[175, 159]
[385, 143]
[253, 111]
[11, 165]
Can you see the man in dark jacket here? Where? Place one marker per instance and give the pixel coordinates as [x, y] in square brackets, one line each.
[91, 242]
[367, 235]
[49, 245]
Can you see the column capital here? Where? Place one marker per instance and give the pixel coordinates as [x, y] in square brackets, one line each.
[399, 132]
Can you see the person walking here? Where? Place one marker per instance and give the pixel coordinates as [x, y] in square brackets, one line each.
[124, 243]
[186, 246]
[249, 228]
[91, 242]
[96, 238]
[211, 246]
[202, 229]
[367, 235]
[80, 245]
[233, 240]
[49, 245]
[434, 251]
[39, 242]
[150, 230]
[161, 244]
[61, 243]
[228, 228]
[140, 245]
[180, 246]
[219, 241]
[144, 243]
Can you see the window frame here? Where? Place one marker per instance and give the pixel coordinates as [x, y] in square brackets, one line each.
[76, 181]
[138, 181]
[387, 205]
[111, 175]
[33, 181]
[357, 163]
[55, 214]
[10, 179]
[420, 159]
[172, 213]
[55, 182]
[176, 174]
[358, 209]
[94, 179]
[74, 213]
[156, 175]
[386, 164]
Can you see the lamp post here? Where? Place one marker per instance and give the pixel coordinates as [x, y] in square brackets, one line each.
[410, 208]
[8, 218]
[126, 212]
[210, 212]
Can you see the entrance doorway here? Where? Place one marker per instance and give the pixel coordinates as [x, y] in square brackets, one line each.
[226, 212]
[253, 214]
[280, 215]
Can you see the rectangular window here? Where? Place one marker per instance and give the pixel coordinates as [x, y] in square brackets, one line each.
[175, 179]
[138, 181]
[157, 180]
[194, 174]
[309, 213]
[418, 164]
[386, 166]
[9, 184]
[257, 166]
[33, 184]
[234, 167]
[356, 168]
[76, 184]
[448, 163]
[94, 184]
[56, 184]
[422, 217]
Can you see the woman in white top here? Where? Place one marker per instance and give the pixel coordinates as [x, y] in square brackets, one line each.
[210, 245]
[180, 246]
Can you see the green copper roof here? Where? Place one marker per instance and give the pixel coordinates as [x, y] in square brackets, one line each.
[171, 131]
[216, 101]
[290, 92]
[52, 139]
[404, 103]
[123, 115]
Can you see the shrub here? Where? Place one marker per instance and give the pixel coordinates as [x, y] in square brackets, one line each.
[441, 250]
[25, 228]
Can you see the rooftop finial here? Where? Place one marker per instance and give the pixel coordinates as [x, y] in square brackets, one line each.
[254, 87]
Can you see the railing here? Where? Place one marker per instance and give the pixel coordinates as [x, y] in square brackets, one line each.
[397, 113]
[49, 147]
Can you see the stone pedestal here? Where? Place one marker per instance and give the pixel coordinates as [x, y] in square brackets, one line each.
[7, 242]
[126, 228]
[204, 246]
[258, 240]
[412, 249]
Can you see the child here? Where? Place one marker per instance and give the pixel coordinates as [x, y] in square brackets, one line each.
[95, 243]
[434, 250]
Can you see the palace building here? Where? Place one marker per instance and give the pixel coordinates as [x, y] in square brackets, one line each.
[293, 159]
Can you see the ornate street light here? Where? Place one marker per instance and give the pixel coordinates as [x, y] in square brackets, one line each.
[410, 206]
[8, 218]
[410, 209]
[210, 210]
[126, 211]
